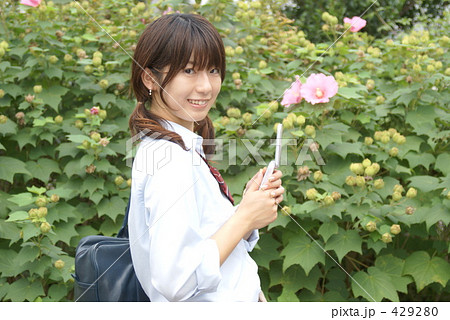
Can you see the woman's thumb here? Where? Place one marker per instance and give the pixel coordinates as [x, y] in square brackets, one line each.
[256, 181]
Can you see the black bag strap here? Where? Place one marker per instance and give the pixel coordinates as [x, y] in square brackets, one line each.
[123, 232]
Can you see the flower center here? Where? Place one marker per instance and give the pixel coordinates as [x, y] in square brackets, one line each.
[319, 93]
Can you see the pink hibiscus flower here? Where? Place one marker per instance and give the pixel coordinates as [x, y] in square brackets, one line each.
[31, 3]
[94, 110]
[319, 88]
[293, 94]
[356, 23]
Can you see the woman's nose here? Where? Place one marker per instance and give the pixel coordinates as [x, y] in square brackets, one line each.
[203, 83]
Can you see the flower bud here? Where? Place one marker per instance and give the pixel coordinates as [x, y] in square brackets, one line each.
[88, 69]
[366, 162]
[20, 115]
[247, 117]
[68, 58]
[303, 173]
[225, 120]
[380, 99]
[79, 124]
[412, 193]
[410, 210]
[385, 139]
[37, 89]
[360, 181]
[397, 196]
[103, 84]
[386, 238]
[371, 226]
[368, 141]
[318, 175]
[42, 212]
[33, 213]
[95, 136]
[29, 98]
[310, 131]
[393, 152]
[90, 168]
[335, 195]
[350, 181]
[267, 114]
[287, 123]
[59, 119]
[239, 50]
[286, 210]
[41, 201]
[96, 61]
[234, 113]
[300, 120]
[370, 171]
[59, 264]
[3, 119]
[395, 229]
[45, 227]
[2, 93]
[357, 168]
[370, 84]
[311, 194]
[53, 59]
[102, 114]
[54, 198]
[236, 75]
[378, 184]
[399, 188]
[119, 180]
[129, 182]
[328, 200]
[262, 64]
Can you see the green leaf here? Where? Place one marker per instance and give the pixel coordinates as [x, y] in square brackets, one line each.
[374, 285]
[350, 93]
[442, 163]
[425, 270]
[64, 231]
[111, 207]
[344, 242]
[394, 267]
[53, 96]
[22, 199]
[265, 250]
[23, 290]
[423, 159]
[343, 149]
[42, 168]
[10, 166]
[104, 99]
[7, 265]
[295, 279]
[424, 183]
[18, 216]
[327, 229]
[422, 120]
[36, 190]
[92, 183]
[301, 250]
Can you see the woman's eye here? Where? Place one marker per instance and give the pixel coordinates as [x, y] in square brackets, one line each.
[215, 70]
[189, 71]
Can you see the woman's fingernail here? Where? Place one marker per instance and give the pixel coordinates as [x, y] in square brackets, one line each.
[264, 187]
[271, 179]
[272, 194]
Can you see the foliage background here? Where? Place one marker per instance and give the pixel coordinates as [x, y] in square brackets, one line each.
[50, 159]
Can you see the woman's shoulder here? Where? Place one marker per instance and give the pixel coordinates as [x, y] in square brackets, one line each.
[160, 155]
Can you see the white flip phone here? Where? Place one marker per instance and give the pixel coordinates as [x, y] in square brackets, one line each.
[274, 164]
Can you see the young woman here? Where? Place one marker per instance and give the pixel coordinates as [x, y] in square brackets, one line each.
[188, 241]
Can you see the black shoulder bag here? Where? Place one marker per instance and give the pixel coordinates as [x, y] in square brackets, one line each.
[104, 270]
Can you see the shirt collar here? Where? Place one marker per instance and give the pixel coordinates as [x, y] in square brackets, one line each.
[191, 139]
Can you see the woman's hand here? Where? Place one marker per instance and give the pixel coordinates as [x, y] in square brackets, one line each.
[258, 208]
[274, 182]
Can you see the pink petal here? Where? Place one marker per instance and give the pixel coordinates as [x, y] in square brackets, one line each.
[293, 94]
[31, 3]
[327, 85]
[356, 23]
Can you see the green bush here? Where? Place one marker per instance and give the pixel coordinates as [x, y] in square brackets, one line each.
[381, 203]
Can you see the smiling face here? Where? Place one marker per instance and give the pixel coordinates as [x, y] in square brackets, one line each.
[189, 96]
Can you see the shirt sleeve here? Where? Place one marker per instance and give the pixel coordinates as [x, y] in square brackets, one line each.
[251, 241]
[183, 262]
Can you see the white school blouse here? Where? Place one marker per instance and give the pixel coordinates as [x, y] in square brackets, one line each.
[176, 206]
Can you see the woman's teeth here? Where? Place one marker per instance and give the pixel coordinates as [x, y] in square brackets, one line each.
[198, 102]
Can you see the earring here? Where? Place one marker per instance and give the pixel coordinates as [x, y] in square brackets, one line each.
[150, 92]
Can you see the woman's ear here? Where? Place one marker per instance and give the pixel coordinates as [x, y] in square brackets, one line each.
[148, 78]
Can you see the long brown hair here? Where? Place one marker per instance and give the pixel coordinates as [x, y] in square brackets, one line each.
[169, 41]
